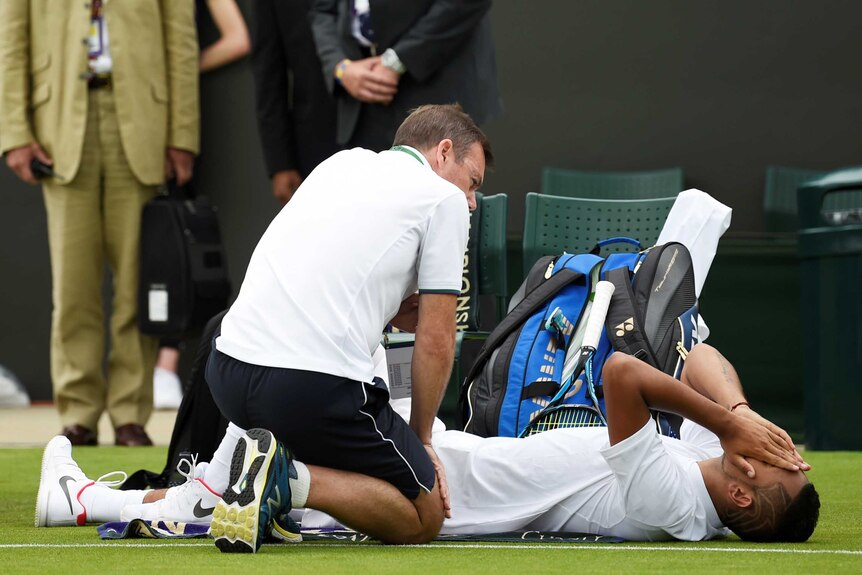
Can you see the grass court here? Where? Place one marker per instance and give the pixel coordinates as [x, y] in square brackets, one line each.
[835, 547]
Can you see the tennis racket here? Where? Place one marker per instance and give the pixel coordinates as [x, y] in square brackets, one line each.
[555, 415]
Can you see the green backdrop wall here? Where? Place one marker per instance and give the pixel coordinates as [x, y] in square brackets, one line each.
[720, 88]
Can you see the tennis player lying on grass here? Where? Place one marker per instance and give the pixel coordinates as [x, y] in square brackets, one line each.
[624, 480]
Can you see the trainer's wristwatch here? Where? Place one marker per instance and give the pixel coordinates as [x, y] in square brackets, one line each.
[391, 60]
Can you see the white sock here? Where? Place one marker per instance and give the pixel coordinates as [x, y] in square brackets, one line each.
[217, 474]
[299, 486]
[103, 504]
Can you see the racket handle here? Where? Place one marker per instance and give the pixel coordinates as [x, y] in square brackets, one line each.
[596, 321]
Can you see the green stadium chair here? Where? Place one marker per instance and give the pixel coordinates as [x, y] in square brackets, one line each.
[492, 282]
[612, 185]
[779, 196]
[492, 251]
[554, 224]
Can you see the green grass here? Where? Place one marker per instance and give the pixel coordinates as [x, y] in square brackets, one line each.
[838, 477]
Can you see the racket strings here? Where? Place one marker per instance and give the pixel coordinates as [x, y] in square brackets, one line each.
[569, 415]
[563, 417]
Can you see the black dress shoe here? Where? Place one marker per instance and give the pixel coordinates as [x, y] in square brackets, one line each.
[80, 435]
[132, 435]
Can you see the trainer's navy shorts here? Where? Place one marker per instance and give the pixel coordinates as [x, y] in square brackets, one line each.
[323, 419]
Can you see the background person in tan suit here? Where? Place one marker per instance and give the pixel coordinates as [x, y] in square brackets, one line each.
[105, 91]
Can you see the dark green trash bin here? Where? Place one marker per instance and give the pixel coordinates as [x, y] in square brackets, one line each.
[830, 247]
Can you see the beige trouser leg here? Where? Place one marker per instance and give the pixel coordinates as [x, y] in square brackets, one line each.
[93, 218]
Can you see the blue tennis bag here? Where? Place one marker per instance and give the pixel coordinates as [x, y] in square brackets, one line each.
[523, 364]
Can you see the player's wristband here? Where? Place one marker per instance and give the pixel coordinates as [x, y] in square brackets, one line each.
[735, 405]
[340, 69]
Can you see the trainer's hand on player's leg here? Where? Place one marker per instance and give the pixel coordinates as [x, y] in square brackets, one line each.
[441, 480]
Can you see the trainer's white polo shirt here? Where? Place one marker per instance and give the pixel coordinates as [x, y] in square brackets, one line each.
[364, 231]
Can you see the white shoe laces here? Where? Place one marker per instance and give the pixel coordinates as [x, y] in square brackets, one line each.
[187, 468]
[103, 480]
[190, 464]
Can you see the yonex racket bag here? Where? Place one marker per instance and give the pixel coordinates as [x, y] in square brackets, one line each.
[521, 365]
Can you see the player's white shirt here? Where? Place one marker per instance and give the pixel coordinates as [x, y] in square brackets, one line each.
[645, 488]
[364, 231]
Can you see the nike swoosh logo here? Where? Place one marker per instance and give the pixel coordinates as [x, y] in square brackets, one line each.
[201, 511]
[64, 485]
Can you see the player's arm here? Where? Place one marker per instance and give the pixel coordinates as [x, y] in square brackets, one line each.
[432, 360]
[710, 374]
[632, 387]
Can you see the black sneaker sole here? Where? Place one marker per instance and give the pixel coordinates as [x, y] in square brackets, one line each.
[236, 518]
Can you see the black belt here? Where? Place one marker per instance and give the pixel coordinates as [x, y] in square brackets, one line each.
[97, 81]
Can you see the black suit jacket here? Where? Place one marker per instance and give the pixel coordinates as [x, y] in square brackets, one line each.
[446, 45]
[295, 112]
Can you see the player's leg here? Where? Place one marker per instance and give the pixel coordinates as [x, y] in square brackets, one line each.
[67, 497]
[194, 500]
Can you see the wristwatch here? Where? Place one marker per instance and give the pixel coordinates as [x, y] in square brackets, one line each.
[391, 60]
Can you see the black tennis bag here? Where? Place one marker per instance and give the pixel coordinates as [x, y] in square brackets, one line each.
[199, 427]
[653, 312]
[183, 276]
[518, 373]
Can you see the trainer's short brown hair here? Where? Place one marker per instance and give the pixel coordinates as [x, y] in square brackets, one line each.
[428, 125]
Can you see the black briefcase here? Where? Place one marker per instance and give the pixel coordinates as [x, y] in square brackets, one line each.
[183, 274]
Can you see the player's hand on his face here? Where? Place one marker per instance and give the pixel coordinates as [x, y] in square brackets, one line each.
[748, 413]
[745, 438]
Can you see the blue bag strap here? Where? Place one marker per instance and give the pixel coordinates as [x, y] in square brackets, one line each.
[522, 312]
[615, 240]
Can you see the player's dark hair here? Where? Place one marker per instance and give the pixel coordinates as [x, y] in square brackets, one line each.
[428, 125]
[773, 516]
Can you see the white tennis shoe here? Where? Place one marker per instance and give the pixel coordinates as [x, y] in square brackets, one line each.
[191, 502]
[58, 502]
